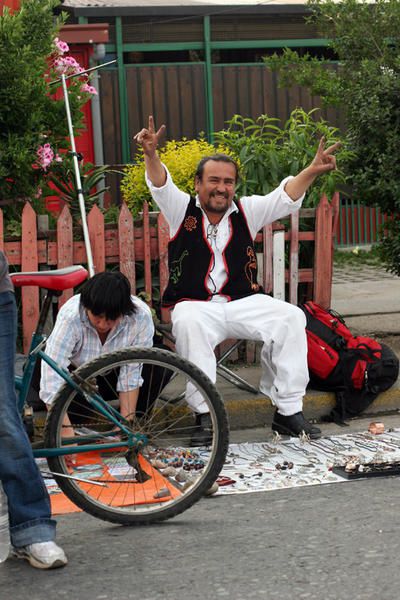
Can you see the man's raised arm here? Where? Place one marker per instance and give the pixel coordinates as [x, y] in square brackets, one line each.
[148, 139]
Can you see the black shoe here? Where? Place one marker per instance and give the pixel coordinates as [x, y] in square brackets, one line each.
[294, 425]
[202, 435]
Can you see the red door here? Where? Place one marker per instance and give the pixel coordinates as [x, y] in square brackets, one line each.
[84, 143]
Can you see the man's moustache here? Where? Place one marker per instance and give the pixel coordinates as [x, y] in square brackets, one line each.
[224, 194]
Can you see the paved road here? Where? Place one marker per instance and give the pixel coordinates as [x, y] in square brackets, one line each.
[328, 542]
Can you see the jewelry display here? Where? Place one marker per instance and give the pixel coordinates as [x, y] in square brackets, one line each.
[280, 462]
[289, 462]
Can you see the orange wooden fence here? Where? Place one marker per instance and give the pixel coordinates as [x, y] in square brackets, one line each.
[142, 244]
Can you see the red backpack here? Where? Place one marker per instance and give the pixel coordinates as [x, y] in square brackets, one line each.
[356, 368]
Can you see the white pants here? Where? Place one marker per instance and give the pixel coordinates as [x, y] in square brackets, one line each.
[199, 327]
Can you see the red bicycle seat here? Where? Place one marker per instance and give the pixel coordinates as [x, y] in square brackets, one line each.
[59, 279]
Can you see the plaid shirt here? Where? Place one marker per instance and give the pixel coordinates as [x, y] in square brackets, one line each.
[74, 339]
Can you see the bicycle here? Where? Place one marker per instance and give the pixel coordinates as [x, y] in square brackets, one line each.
[126, 472]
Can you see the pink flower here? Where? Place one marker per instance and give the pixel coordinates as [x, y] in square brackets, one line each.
[67, 65]
[58, 158]
[89, 89]
[45, 156]
[70, 60]
[60, 66]
[38, 193]
[61, 46]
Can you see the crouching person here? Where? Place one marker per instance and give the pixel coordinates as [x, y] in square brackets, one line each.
[103, 318]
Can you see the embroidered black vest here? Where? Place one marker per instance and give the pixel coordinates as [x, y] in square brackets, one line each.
[190, 259]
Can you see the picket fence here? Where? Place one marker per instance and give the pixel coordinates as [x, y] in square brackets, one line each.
[142, 246]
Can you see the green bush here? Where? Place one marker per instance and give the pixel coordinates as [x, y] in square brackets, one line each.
[269, 153]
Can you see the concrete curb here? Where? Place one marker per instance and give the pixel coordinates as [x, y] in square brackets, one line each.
[258, 411]
[248, 410]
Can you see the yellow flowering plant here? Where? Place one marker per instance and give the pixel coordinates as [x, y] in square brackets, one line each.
[181, 158]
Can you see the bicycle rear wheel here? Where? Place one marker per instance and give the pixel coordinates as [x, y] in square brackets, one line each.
[154, 474]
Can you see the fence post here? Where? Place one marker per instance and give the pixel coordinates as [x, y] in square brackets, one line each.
[278, 245]
[335, 213]
[147, 253]
[96, 236]
[267, 258]
[126, 244]
[294, 258]
[65, 248]
[29, 262]
[163, 239]
[323, 253]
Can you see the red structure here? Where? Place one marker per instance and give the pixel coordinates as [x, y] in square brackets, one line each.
[81, 40]
[11, 4]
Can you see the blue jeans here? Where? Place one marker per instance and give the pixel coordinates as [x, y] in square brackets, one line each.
[28, 500]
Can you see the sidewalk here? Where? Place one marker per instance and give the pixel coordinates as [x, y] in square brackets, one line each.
[369, 299]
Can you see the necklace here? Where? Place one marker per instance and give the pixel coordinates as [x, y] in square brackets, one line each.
[321, 445]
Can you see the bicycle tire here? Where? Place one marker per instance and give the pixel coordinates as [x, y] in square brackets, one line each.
[152, 426]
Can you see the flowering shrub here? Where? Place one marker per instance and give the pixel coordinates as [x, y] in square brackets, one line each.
[181, 158]
[33, 124]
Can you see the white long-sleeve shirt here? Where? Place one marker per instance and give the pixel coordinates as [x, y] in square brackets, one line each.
[74, 339]
[259, 211]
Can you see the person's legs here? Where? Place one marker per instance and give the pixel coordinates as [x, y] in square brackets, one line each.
[28, 500]
[198, 327]
[155, 378]
[281, 328]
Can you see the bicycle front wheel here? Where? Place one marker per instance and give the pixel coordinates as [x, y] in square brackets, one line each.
[145, 469]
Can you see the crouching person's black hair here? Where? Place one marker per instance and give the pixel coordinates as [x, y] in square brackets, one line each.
[108, 294]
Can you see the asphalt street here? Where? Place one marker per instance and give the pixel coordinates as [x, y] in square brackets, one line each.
[330, 542]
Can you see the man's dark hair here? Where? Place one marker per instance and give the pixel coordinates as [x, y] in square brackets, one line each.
[108, 294]
[218, 158]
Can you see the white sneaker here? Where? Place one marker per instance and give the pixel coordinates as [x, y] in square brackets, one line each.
[42, 555]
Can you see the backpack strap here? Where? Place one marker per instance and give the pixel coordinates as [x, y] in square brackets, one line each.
[338, 413]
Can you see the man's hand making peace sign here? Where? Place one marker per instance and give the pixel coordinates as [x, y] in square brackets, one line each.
[149, 139]
[323, 162]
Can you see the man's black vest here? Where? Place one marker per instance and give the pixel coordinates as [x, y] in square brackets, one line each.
[191, 259]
